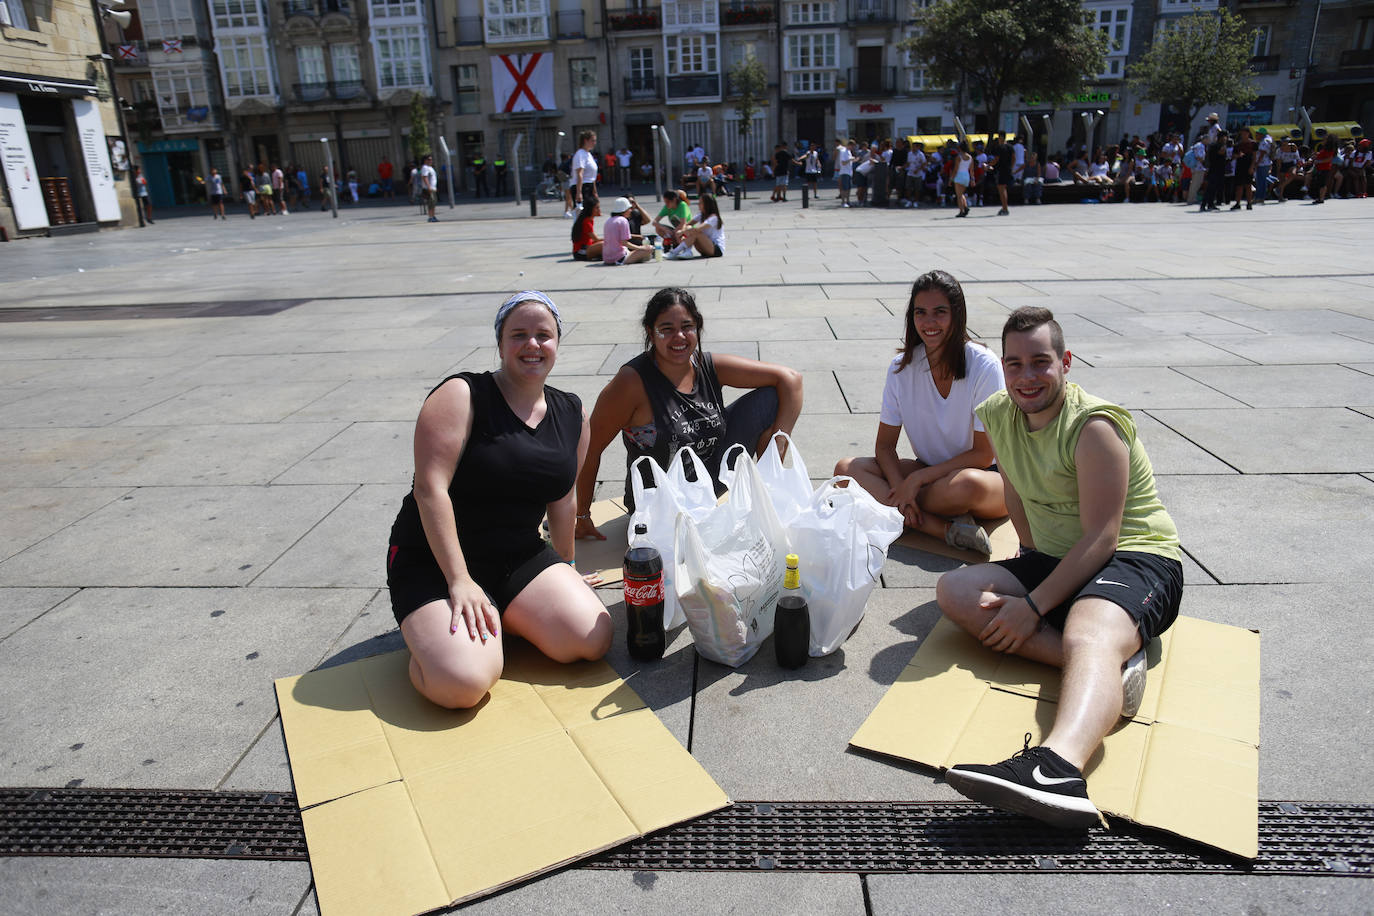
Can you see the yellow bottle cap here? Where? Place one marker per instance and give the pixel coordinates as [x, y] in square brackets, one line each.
[792, 578]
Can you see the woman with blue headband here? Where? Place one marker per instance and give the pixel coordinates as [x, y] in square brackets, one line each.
[494, 452]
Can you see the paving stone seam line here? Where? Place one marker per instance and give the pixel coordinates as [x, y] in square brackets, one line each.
[346, 427]
[304, 534]
[1197, 445]
[868, 899]
[77, 589]
[692, 707]
[114, 499]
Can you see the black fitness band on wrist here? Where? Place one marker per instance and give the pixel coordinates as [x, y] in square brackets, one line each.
[1031, 602]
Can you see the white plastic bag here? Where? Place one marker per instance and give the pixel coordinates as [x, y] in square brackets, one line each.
[789, 488]
[841, 539]
[657, 508]
[728, 570]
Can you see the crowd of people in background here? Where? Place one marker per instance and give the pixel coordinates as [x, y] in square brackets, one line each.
[1239, 168]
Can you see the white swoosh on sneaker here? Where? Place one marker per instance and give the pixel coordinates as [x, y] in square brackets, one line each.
[1110, 582]
[1044, 780]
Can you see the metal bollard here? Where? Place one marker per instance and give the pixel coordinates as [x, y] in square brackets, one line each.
[806, 197]
[738, 189]
[534, 202]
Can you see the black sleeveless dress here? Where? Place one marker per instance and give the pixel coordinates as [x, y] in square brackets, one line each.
[505, 479]
[696, 418]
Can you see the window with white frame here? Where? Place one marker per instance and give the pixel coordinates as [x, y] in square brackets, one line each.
[343, 58]
[810, 62]
[402, 56]
[236, 14]
[179, 89]
[689, 13]
[1115, 23]
[642, 71]
[812, 13]
[1260, 46]
[517, 20]
[582, 71]
[166, 19]
[396, 9]
[243, 60]
[691, 54]
[310, 65]
[12, 13]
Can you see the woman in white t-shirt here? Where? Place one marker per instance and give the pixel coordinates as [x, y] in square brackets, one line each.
[584, 167]
[705, 235]
[933, 384]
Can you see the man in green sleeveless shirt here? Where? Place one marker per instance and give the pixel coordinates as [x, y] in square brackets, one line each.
[1099, 573]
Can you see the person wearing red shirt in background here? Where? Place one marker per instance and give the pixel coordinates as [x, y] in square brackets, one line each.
[384, 173]
[586, 244]
[1322, 161]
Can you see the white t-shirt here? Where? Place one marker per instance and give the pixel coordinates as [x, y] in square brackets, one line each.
[429, 179]
[714, 232]
[1172, 151]
[584, 160]
[1264, 152]
[623, 158]
[1018, 158]
[844, 160]
[1097, 170]
[915, 163]
[939, 428]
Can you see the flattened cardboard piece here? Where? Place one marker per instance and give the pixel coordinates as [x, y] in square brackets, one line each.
[558, 763]
[1005, 543]
[606, 558]
[1188, 762]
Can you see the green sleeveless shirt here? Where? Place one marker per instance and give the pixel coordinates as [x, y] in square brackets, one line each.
[1040, 465]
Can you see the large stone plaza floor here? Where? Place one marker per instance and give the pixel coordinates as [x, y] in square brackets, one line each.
[205, 431]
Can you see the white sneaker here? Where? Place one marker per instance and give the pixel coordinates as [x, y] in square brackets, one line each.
[568, 214]
[1133, 684]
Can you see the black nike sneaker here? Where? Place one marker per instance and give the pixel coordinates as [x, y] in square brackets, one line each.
[1035, 781]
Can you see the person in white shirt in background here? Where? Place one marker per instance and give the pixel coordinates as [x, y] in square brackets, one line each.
[622, 158]
[584, 167]
[915, 176]
[1199, 151]
[844, 169]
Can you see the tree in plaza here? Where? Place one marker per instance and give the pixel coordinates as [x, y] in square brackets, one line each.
[419, 127]
[1200, 58]
[998, 47]
[749, 82]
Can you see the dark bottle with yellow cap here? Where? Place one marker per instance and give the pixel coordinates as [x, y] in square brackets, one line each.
[792, 620]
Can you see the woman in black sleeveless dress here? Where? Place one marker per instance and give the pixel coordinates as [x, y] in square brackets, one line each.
[670, 396]
[494, 452]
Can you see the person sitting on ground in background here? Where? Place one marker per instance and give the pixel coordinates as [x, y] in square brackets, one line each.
[495, 452]
[671, 396]
[706, 234]
[1053, 171]
[616, 247]
[586, 244]
[673, 218]
[933, 384]
[1099, 575]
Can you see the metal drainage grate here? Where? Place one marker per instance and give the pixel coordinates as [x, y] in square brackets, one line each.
[1296, 838]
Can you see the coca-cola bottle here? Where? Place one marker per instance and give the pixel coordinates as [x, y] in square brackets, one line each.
[644, 598]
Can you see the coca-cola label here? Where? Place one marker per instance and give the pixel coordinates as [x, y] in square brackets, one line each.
[644, 592]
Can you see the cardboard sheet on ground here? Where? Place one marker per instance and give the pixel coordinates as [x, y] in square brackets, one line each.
[1000, 531]
[606, 557]
[408, 807]
[1188, 762]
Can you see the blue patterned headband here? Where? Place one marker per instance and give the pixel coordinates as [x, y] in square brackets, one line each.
[528, 295]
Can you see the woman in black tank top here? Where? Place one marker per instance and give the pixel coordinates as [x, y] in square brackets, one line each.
[670, 396]
[494, 452]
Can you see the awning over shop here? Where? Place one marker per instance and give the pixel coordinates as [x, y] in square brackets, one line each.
[645, 117]
[44, 85]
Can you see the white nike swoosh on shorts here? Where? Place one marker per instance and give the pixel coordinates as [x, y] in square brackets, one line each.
[1051, 780]
[1110, 582]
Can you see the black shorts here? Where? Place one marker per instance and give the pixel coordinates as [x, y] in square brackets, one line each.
[1146, 586]
[415, 579]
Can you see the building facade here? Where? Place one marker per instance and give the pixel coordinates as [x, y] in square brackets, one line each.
[65, 157]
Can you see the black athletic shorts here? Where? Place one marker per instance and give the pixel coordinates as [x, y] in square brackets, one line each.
[415, 579]
[1146, 586]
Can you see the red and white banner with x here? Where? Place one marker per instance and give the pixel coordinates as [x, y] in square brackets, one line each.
[523, 82]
